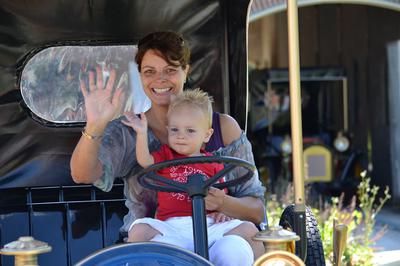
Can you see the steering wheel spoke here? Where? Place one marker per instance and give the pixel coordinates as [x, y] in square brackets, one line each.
[219, 175]
[161, 183]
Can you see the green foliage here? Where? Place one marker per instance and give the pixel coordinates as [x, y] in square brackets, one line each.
[360, 221]
[274, 211]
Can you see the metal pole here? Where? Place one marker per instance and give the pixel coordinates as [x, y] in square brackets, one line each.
[295, 101]
[345, 106]
[296, 125]
[200, 226]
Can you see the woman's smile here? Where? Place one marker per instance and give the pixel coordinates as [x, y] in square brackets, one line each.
[161, 90]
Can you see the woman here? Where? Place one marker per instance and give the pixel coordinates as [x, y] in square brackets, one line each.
[106, 149]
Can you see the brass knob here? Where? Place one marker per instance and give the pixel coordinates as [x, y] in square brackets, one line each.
[25, 250]
[277, 238]
[279, 257]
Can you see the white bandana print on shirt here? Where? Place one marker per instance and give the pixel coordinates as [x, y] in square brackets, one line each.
[180, 174]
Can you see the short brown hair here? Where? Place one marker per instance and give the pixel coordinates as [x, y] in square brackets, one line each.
[168, 44]
[196, 98]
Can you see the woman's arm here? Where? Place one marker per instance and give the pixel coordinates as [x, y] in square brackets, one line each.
[230, 129]
[85, 165]
[245, 207]
[101, 106]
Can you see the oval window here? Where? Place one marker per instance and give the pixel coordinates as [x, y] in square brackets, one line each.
[50, 80]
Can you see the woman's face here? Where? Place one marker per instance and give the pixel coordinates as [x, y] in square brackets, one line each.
[160, 79]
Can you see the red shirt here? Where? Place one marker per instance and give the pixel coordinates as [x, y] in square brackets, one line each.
[172, 204]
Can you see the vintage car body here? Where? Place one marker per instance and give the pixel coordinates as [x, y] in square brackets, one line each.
[37, 194]
[332, 163]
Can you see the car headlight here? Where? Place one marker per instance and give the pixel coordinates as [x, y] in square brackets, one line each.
[286, 145]
[341, 142]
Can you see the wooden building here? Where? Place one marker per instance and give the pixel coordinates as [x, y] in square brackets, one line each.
[362, 37]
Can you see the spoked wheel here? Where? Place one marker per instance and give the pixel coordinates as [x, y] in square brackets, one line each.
[315, 251]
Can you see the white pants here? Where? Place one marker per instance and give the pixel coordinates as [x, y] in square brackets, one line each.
[230, 250]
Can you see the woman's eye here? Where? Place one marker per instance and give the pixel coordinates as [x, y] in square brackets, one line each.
[170, 71]
[149, 72]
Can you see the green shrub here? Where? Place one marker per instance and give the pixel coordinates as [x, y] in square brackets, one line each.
[360, 219]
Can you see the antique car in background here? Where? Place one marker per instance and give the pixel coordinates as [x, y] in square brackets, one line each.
[332, 165]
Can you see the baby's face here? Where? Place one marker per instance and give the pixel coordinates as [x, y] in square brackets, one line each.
[188, 129]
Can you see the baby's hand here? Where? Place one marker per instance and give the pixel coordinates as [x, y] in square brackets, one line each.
[139, 124]
[219, 217]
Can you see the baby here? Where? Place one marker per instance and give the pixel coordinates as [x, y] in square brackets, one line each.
[189, 128]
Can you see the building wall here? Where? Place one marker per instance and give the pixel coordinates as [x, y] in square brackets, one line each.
[355, 38]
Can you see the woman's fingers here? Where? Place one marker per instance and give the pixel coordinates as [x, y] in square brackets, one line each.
[92, 85]
[99, 78]
[110, 81]
[214, 199]
[83, 88]
[117, 99]
[97, 82]
[101, 101]
[213, 190]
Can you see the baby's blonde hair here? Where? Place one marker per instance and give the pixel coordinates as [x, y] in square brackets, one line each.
[196, 98]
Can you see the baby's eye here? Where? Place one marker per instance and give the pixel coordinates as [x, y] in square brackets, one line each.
[173, 129]
[190, 130]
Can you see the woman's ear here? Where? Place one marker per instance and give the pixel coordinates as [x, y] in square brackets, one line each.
[186, 70]
[209, 133]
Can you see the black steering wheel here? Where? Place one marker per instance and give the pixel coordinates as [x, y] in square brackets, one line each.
[196, 187]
